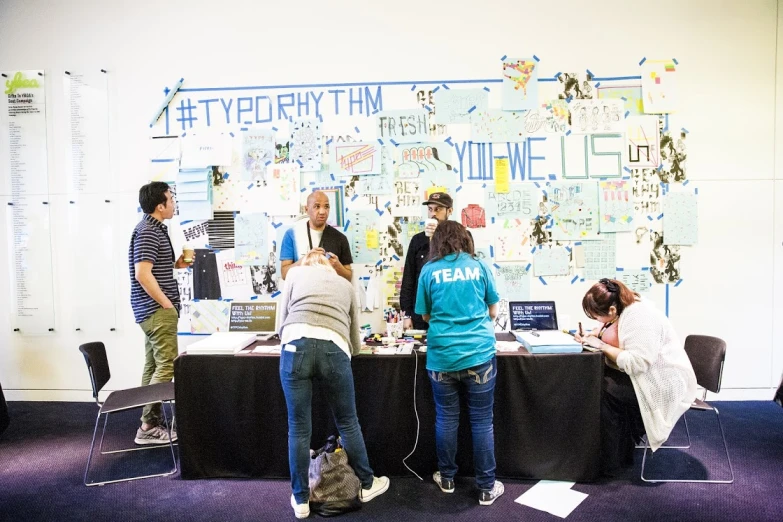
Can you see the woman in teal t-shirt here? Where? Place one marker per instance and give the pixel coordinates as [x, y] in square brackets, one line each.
[457, 296]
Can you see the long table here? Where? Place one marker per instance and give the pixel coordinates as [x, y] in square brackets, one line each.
[232, 422]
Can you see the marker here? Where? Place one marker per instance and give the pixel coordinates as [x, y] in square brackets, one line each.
[569, 333]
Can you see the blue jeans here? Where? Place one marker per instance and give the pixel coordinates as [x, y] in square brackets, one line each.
[478, 383]
[325, 361]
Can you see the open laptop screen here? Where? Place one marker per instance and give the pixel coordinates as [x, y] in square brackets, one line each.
[533, 315]
[253, 317]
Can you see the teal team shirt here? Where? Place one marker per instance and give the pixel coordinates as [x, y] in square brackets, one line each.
[456, 292]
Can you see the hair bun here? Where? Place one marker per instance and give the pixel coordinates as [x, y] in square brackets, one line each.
[610, 285]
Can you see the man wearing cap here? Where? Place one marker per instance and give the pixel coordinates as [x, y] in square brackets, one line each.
[439, 207]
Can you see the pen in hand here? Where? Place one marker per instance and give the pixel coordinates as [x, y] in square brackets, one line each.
[581, 335]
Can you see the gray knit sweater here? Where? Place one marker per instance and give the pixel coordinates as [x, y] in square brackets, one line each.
[320, 297]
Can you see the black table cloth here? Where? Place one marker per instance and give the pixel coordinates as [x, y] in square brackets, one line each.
[231, 416]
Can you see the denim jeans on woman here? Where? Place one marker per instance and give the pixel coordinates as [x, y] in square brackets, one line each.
[478, 384]
[325, 361]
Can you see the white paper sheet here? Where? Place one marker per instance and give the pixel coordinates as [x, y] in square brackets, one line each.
[553, 497]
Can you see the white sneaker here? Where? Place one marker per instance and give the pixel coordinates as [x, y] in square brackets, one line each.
[154, 435]
[379, 487]
[300, 510]
[486, 498]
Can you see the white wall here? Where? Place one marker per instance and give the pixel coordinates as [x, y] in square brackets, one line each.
[728, 54]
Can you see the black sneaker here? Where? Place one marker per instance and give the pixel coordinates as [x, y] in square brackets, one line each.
[486, 498]
[445, 485]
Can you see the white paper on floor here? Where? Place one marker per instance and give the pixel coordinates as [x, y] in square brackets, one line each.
[553, 497]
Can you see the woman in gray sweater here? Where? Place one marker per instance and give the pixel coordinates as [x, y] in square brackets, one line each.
[319, 332]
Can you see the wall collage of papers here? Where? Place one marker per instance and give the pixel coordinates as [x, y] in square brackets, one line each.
[560, 177]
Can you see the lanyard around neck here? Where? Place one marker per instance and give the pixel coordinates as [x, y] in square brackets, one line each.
[310, 239]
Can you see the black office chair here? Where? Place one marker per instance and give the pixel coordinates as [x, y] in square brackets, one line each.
[122, 400]
[707, 355]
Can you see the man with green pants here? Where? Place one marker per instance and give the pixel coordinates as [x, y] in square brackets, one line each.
[155, 299]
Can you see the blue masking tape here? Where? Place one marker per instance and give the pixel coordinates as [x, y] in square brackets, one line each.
[347, 222]
[357, 130]
[575, 279]
[582, 280]
[686, 182]
[483, 185]
[354, 197]
[491, 251]
[448, 140]
[590, 73]
[184, 134]
[445, 86]
[249, 186]
[291, 119]
[627, 113]
[650, 218]
[320, 118]
[380, 212]
[536, 184]
[569, 249]
[232, 134]
[274, 129]
[552, 176]
[660, 167]
[533, 250]
[685, 130]
[486, 89]
[645, 268]
[626, 169]
[394, 143]
[455, 170]
[643, 60]
[277, 225]
[376, 111]
[527, 268]
[331, 176]
[496, 265]
[568, 133]
[557, 74]
[378, 263]
[577, 243]
[275, 294]
[458, 188]
[696, 191]
[536, 58]
[429, 109]
[247, 123]
[492, 219]
[540, 278]
[388, 204]
[413, 87]
[253, 298]
[678, 282]
[471, 109]
[396, 258]
[329, 141]
[675, 63]
[181, 223]
[228, 300]
[303, 189]
[503, 57]
[380, 141]
[597, 85]
[568, 100]
[312, 183]
[266, 164]
[244, 129]
[225, 176]
[300, 163]
[436, 89]
[195, 300]
[619, 269]
[660, 215]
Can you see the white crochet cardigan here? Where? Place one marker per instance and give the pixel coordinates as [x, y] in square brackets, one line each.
[661, 373]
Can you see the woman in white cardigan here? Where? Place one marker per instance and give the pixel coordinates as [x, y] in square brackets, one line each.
[648, 383]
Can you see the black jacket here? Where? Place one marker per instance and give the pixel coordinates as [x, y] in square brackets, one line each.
[417, 255]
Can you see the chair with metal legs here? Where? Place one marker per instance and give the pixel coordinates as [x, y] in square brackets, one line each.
[707, 355]
[122, 400]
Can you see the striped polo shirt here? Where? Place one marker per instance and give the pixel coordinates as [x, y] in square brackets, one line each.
[150, 242]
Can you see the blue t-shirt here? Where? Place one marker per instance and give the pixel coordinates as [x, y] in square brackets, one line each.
[456, 292]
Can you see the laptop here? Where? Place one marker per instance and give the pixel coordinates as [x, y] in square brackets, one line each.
[532, 315]
[258, 317]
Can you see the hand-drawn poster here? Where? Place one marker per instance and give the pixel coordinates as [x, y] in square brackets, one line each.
[600, 257]
[674, 157]
[520, 84]
[410, 126]
[421, 159]
[521, 201]
[575, 86]
[512, 240]
[357, 158]
[473, 216]
[496, 126]
[258, 151]
[597, 116]
[642, 142]
[426, 100]
[251, 244]
[631, 95]
[306, 144]
[646, 192]
[659, 86]
[364, 235]
[548, 118]
[637, 280]
[664, 260]
[407, 200]
[513, 281]
[281, 194]
[680, 218]
[551, 261]
[574, 209]
[209, 316]
[456, 105]
[616, 206]
[206, 150]
[235, 280]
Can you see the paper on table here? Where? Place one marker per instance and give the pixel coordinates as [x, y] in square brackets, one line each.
[268, 349]
[507, 346]
[553, 497]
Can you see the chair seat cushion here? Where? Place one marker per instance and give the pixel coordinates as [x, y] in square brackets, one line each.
[136, 397]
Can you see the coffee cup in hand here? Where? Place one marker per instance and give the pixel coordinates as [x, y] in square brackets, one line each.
[188, 254]
[429, 227]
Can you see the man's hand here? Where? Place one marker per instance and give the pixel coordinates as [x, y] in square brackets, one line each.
[407, 323]
[181, 263]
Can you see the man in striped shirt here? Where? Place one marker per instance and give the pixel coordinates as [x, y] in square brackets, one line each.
[155, 299]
